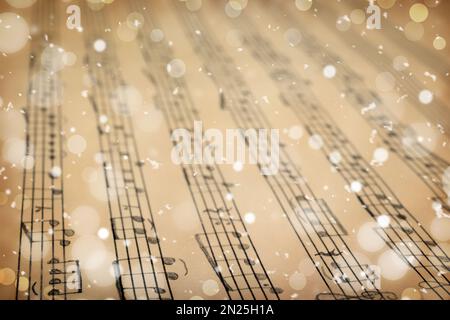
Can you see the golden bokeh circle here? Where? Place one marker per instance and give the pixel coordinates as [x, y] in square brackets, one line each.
[23, 284]
[386, 4]
[418, 12]
[7, 276]
[303, 5]
[411, 294]
[414, 31]
[358, 16]
[439, 43]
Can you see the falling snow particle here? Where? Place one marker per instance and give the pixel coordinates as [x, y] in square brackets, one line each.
[383, 221]
[425, 96]
[380, 155]
[103, 233]
[356, 186]
[99, 45]
[55, 172]
[335, 157]
[249, 217]
[315, 142]
[329, 71]
[238, 166]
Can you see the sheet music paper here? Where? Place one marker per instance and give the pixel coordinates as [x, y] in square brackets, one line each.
[343, 192]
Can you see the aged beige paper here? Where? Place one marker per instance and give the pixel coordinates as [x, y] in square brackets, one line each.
[352, 202]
